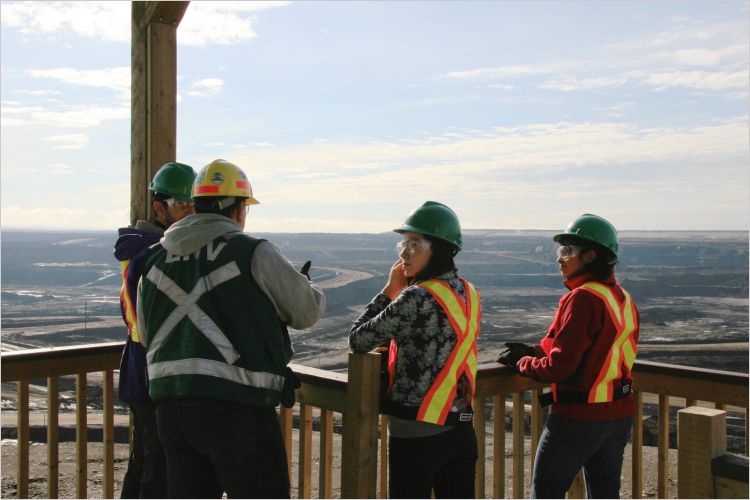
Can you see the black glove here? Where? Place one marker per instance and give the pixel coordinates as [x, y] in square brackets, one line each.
[305, 269]
[513, 352]
[291, 382]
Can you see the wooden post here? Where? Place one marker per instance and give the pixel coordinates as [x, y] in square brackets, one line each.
[637, 448]
[108, 435]
[81, 437]
[383, 473]
[22, 439]
[662, 486]
[480, 419]
[498, 448]
[53, 457]
[518, 445]
[285, 421]
[304, 489]
[537, 422]
[153, 96]
[359, 443]
[701, 436]
[325, 484]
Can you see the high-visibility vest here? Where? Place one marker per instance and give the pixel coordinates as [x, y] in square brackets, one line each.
[618, 362]
[464, 317]
[126, 302]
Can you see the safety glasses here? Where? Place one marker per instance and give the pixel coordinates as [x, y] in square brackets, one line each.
[567, 251]
[178, 204]
[412, 246]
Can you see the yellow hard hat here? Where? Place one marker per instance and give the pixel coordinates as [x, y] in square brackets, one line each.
[223, 178]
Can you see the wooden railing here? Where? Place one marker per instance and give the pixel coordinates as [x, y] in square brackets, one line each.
[364, 432]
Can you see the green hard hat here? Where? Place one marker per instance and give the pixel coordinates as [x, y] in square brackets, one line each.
[592, 228]
[174, 179]
[434, 219]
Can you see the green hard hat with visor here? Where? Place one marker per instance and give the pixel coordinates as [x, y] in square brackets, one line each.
[436, 220]
[174, 180]
[590, 228]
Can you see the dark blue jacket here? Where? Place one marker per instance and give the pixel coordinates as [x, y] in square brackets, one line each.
[132, 245]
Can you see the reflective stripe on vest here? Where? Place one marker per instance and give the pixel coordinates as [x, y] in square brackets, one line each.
[623, 351]
[187, 305]
[464, 318]
[127, 305]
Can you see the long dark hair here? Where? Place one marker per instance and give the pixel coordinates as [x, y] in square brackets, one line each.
[440, 262]
[601, 267]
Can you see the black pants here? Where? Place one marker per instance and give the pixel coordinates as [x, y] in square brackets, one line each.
[147, 466]
[444, 463]
[215, 446]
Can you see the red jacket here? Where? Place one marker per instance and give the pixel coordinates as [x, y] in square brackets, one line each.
[576, 347]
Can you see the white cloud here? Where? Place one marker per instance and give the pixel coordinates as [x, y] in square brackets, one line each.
[208, 87]
[60, 169]
[64, 116]
[701, 80]
[571, 83]
[204, 23]
[222, 23]
[64, 218]
[37, 93]
[502, 72]
[68, 141]
[117, 78]
[108, 21]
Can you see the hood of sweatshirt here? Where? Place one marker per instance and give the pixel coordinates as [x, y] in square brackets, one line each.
[133, 240]
[190, 234]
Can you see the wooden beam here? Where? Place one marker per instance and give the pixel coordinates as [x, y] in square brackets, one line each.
[701, 435]
[165, 12]
[153, 96]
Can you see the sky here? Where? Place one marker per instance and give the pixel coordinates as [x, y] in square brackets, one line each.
[348, 115]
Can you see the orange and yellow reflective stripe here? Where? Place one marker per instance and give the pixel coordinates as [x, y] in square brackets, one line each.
[127, 304]
[623, 351]
[464, 318]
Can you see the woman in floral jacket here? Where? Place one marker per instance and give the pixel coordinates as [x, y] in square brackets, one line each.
[430, 316]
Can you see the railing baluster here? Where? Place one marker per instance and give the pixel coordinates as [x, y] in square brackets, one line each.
[518, 445]
[22, 439]
[81, 437]
[285, 421]
[480, 412]
[537, 423]
[53, 433]
[305, 451]
[637, 448]
[383, 456]
[663, 478]
[108, 434]
[325, 484]
[498, 448]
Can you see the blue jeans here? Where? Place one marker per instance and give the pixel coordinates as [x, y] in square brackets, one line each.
[215, 446]
[567, 445]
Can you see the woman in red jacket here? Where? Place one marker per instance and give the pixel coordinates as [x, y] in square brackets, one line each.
[587, 356]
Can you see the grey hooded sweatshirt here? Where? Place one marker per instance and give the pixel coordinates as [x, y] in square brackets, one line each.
[298, 302]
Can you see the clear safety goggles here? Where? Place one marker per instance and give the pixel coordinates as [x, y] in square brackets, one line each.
[567, 251]
[178, 204]
[412, 246]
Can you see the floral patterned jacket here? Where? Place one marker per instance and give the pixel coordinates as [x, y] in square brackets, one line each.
[423, 335]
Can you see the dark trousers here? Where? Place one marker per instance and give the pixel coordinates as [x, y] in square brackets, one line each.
[567, 445]
[444, 463]
[147, 466]
[215, 446]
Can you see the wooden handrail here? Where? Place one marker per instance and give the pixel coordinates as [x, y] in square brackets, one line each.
[330, 391]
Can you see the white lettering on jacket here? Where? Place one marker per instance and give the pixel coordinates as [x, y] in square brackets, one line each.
[211, 253]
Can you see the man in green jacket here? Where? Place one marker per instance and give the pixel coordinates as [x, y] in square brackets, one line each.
[213, 308]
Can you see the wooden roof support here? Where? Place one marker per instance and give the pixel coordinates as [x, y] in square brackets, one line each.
[153, 96]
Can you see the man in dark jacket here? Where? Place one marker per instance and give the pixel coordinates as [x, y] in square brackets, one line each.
[171, 190]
